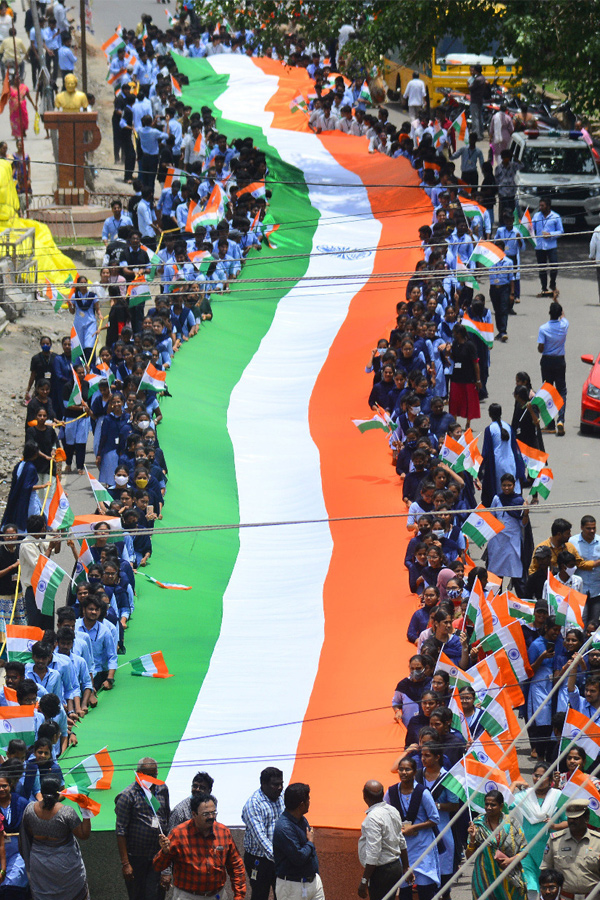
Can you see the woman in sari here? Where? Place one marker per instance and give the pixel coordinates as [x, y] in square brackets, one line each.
[48, 846]
[506, 844]
[532, 812]
[17, 97]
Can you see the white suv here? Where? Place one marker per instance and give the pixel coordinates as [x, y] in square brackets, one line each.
[561, 168]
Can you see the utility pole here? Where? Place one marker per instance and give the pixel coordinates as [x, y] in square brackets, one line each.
[83, 46]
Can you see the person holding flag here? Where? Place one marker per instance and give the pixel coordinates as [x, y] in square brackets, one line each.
[142, 815]
[541, 653]
[85, 308]
[552, 338]
[78, 424]
[531, 813]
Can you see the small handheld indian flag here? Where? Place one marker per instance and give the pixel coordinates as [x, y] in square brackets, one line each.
[146, 782]
[256, 188]
[112, 45]
[152, 665]
[459, 721]
[298, 104]
[510, 638]
[365, 94]
[487, 254]
[17, 722]
[581, 787]
[19, 641]
[473, 459]
[548, 402]
[87, 806]
[376, 423]
[76, 348]
[483, 330]
[113, 77]
[471, 780]
[465, 275]
[76, 398]
[138, 291]
[175, 87]
[153, 379]
[573, 727]
[452, 453]
[174, 174]
[84, 561]
[476, 598]
[535, 460]
[471, 209]
[101, 494]
[60, 514]
[481, 526]
[542, 484]
[94, 772]
[525, 226]
[167, 585]
[459, 678]
[46, 579]
[460, 127]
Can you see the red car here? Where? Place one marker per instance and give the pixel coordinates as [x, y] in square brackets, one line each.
[590, 396]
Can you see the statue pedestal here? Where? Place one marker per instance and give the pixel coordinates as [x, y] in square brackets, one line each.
[78, 134]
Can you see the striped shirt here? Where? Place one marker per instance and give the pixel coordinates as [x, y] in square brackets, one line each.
[259, 816]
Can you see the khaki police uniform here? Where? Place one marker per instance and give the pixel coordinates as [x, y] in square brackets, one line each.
[577, 860]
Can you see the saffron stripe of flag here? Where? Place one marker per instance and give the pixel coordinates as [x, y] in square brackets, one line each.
[481, 526]
[76, 348]
[473, 459]
[573, 731]
[19, 641]
[94, 772]
[483, 330]
[168, 585]
[46, 579]
[174, 174]
[17, 722]
[152, 665]
[153, 379]
[535, 460]
[542, 484]
[113, 77]
[489, 750]
[111, 46]
[101, 494]
[548, 402]
[87, 806]
[176, 87]
[487, 254]
[60, 514]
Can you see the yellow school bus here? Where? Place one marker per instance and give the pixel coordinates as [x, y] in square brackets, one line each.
[450, 68]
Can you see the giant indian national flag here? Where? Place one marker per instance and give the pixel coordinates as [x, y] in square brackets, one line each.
[267, 649]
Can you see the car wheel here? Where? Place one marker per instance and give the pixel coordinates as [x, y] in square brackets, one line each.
[584, 428]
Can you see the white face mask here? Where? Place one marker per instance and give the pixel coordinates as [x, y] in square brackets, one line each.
[144, 423]
[437, 533]
[415, 410]
[121, 480]
[571, 570]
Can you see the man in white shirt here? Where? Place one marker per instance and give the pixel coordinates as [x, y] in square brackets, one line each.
[595, 253]
[381, 846]
[415, 94]
[32, 546]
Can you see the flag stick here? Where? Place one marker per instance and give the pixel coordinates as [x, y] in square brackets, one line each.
[49, 485]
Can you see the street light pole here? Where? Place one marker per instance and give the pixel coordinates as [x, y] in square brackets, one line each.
[83, 46]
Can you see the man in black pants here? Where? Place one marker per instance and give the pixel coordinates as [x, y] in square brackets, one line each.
[260, 813]
[382, 846]
[552, 338]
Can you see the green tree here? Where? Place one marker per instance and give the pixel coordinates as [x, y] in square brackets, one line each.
[555, 40]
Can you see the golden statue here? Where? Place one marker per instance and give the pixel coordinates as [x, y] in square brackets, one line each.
[71, 99]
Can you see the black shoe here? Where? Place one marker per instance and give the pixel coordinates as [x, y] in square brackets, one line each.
[121, 649]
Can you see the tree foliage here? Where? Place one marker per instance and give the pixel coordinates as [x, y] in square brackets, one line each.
[555, 40]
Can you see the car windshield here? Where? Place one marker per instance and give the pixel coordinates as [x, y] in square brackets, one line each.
[558, 161]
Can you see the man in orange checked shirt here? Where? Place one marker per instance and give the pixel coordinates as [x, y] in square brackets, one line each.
[202, 853]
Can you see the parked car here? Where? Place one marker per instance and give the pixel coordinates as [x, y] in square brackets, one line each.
[590, 396]
[562, 167]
